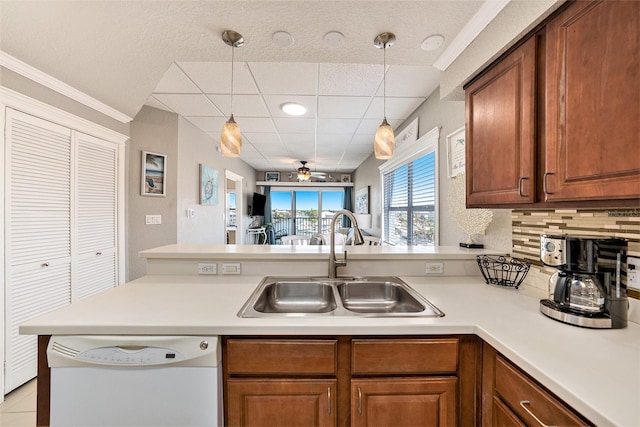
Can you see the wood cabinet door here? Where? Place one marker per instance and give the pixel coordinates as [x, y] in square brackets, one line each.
[279, 402]
[500, 131]
[592, 108]
[403, 402]
[503, 416]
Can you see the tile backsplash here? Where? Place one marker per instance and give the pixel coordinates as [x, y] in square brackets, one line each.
[527, 226]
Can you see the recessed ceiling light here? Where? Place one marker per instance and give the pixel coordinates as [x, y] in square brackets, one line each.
[282, 39]
[333, 39]
[293, 109]
[432, 42]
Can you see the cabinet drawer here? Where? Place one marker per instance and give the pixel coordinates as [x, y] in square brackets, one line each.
[515, 389]
[399, 356]
[267, 357]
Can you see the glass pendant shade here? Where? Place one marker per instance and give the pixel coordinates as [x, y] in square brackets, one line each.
[385, 142]
[231, 139]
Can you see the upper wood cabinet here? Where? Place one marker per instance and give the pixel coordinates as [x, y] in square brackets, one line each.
[592, 105]
[500, 140]
[556, 122]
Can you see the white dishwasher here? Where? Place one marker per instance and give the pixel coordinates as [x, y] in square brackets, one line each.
[99, 380]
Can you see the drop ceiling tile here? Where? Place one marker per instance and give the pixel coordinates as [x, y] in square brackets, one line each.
[215, 77]
[411, 80]
[176, 81]
[370, 126]
[360, 149]
[397, 108]
[349, 79]
[336, 107]
[295, 125]
[189, 104]
[334, 139]
[243, 105]
[341, 126]
[363, 138]
[264, 139]
[292, 139]
[274, 102]
[153, 102]
[208, 124]
[295, 78]
[255, 124]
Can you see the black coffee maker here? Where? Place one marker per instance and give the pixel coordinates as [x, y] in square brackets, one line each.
[590, 287]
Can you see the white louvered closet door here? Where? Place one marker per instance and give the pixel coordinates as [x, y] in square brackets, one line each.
[38, 233]
[96, 189]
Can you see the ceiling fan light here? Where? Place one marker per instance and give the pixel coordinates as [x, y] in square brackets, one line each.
[304, 173]
[385, 142]
[231, 139]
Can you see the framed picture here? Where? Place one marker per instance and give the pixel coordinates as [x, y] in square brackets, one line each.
[345, 178]
[272, 176]
[208, 185]
[409, 133]
[362, 200]
[456, 152]
[154, 173]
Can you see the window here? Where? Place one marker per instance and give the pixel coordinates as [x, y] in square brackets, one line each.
[409, 183]
[304, 212]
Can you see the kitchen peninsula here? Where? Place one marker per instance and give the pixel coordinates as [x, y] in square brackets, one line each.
[595, 372]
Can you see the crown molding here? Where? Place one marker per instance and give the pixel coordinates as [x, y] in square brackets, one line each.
[18, 101]
[14, 64]
[487, 12]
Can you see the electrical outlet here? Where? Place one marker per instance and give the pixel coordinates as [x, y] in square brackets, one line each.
[230, 268]
[633, 272]
[435, 268]
[207, 268]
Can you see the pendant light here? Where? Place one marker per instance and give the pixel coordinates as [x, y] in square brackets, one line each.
[231, 138]
[385, 142]
[304, 173]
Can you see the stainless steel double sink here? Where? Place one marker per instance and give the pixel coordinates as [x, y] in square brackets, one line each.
[350, 296]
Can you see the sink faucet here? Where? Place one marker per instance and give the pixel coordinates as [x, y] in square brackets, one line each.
[357, 238]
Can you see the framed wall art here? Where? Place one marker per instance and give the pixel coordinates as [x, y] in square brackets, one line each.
[208, 185]
[362, 200]
[456, 152]
[154, 174]
[272, 176]
[409, 133]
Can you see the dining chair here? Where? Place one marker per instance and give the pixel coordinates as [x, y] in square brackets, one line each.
[295, 240]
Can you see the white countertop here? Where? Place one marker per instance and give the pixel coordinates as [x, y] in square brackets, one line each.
[595, 371]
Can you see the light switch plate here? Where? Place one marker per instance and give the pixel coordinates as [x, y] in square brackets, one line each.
[231, 268]
[153, 219]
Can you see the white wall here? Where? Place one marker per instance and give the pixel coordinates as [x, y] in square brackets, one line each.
[208, 225]
[449, 116]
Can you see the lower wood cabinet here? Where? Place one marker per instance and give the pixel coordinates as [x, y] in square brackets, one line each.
[358, 381]
[281, 402]
[403, 402]
[511, 398]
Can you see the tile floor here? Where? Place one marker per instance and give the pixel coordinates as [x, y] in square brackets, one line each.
[19, 407]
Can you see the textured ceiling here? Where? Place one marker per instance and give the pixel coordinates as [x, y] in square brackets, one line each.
[122, 52]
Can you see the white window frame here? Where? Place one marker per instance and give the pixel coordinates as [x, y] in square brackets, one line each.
[407, 153]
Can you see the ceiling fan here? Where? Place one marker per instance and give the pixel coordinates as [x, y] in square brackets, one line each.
[305, 174]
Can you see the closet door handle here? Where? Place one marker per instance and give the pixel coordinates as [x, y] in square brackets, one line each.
[526, 402]
[359, 401]
[544, 182]
[520, 186]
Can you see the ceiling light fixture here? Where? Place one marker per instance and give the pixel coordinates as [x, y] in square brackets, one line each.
[293, 109]
[432, 42]
[385, 142]
[231, 138]
[304, 173]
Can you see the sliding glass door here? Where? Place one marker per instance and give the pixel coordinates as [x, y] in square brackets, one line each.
[305, 212]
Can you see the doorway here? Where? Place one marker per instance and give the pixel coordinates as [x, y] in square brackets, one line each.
[233, 208]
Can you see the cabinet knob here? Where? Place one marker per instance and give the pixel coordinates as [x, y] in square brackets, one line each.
[544, 182]
[520, 186]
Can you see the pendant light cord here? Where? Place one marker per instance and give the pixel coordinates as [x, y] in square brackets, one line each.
[384, 81]
[232, 48]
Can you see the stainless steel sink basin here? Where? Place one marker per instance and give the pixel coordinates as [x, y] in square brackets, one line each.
[296, 297]
[351, 296]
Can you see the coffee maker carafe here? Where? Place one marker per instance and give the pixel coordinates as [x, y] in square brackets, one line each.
[589, 289]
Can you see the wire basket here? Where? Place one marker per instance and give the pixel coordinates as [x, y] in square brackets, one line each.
[503, 271]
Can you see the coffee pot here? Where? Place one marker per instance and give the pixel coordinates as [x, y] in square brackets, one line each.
[589, 286]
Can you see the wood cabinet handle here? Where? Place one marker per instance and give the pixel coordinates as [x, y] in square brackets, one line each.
[526, 402]
[544, 182]
[329, 400]
[359, 401]
[45, 264]
[520, 186]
